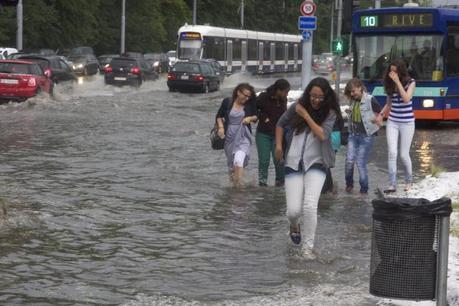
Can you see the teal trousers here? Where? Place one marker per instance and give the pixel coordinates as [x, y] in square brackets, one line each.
[266, 147]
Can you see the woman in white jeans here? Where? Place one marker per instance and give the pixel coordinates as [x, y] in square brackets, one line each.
[399, 87]
[303, 143]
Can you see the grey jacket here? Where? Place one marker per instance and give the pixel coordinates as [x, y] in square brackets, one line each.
[367, 113]
[328, 154]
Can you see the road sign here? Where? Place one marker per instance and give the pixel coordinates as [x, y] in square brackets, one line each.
[308, 8]
[307, 22]
[306, 35]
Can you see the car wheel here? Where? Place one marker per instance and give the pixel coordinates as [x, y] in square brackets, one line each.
[51, 90]
[172, 89]
[85, 71]
[138, 83]
[205, 88]
[217, 88]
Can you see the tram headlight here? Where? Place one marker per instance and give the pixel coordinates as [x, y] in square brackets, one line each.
[428, 103]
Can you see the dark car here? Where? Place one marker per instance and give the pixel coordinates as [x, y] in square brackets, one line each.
[20, 80]
[85, 64]
[129, 71]
[105, 60]
[194, 74]
[219, 69]
[60, 71]
[160, 61]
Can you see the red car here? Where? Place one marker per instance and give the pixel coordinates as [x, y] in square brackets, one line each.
[20, 80]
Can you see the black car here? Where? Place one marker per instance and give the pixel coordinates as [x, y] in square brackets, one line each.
[194, 74]
[129, 71]
[105, 60]
[85, 64]
[60, 71]
[160, 61]
[219, 69]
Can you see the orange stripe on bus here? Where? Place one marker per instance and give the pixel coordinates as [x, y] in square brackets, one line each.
[447, 114]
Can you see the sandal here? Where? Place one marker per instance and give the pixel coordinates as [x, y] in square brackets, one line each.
[407, 187]
[390, 189]
[295, 236]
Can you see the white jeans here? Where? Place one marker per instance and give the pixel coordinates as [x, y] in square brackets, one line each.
[302, 193]
[404, 131]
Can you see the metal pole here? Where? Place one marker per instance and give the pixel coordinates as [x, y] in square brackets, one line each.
[442, 262]
[338, 57]
[332, 24]
[123, 27]
[19, 17]
[242, 14]
[306, 65]
[194, 12]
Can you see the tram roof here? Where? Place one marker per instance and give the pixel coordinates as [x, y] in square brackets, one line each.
[206, 30]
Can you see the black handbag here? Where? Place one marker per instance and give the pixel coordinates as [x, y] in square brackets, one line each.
[344, 137]
[216, 142]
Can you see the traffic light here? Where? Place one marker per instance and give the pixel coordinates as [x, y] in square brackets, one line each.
[340, 46]
[337, 46]
[349, 6]
[9, 2]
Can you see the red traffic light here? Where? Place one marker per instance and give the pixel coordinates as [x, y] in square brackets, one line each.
[9, 2]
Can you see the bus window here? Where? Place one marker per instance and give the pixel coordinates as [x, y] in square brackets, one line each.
[189, 49]
[279, 51]
[214, 47]
[452, 53]
[236, 49]
[267, 51]
[252, 52]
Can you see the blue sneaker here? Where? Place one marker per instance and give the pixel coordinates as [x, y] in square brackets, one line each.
[295, 236]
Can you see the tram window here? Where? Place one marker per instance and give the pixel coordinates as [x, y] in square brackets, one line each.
[279, 51]
[291, 53]
[452, 53]
[267, 51]
[252, 46]
[236, 49]
[214, 47]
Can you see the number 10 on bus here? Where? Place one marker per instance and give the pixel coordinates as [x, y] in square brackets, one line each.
[368, 21]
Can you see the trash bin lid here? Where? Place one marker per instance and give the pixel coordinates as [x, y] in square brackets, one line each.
[389, 208]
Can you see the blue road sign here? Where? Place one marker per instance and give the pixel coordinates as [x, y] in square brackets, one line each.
[307, 22]
[306, 35]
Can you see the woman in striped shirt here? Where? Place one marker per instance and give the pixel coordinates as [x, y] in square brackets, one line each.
[399, 87]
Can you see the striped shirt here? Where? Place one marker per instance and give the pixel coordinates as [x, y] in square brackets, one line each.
[400, 111]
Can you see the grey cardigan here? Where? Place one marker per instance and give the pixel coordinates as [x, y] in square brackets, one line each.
[328, 154]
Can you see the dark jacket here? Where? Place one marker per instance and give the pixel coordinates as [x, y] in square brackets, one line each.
[227, 105]
[269, 111]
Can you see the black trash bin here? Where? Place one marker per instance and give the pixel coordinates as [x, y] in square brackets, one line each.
[404, 247]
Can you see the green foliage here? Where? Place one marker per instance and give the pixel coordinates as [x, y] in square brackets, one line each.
[151, 25]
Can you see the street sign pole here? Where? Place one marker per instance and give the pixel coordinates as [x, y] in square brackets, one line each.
[19, 17]
[307, 23]
[307, 58]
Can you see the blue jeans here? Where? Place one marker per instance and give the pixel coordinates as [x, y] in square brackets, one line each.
[358, 149]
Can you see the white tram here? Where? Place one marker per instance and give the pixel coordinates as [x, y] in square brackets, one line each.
[241, 50]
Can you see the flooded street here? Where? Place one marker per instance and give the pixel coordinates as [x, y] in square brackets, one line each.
[114, 197]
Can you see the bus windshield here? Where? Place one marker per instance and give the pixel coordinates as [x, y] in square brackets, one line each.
[189, 49]
[421, 53]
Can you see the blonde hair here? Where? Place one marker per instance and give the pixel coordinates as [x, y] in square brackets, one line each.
[355, 82]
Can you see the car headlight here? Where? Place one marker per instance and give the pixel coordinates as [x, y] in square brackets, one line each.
[77, 66]
[155, 64]
[428, 103]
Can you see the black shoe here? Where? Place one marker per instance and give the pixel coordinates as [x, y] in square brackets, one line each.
[279, 183]
[390, 189]
[295, 236]
[262, 184]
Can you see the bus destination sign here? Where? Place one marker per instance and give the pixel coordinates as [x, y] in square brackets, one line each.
[396, 20]
[190, 35]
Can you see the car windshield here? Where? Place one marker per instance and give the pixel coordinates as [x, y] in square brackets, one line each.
[15, 68]
[44, 64]
[186, 67]
[77, 58]
[123, 63]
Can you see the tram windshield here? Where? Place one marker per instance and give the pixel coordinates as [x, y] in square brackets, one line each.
[421, 53]
[190, 49]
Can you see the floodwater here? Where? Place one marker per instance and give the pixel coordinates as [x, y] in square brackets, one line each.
[114, 197]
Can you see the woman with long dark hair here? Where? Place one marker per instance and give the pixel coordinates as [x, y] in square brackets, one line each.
[303, 142]
[271, 104]
[233, 120]
[399, 87]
